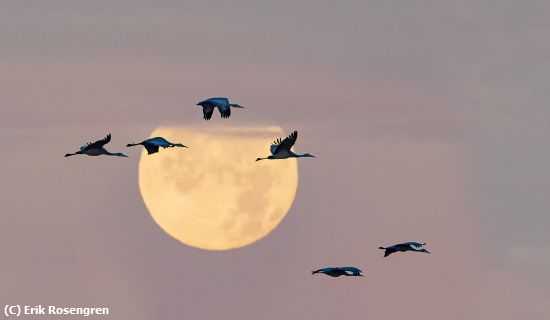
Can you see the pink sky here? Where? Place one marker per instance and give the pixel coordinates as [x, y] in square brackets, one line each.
[429, 120]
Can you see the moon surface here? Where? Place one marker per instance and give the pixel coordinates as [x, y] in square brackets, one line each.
[214, 195]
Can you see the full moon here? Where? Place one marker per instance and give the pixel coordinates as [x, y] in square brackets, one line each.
[214, 195]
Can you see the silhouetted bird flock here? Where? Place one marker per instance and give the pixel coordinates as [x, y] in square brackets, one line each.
[280, 149]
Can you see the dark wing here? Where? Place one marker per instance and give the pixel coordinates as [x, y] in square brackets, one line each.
[225, 111]
[151, 148]
[284, 145]
[98, 144]
[412, 244]
[401, 247]
[215, 102]
[321, 270]
[207, 112]
[333, 272]
[336, 272]
[388, 252]
[158, 141]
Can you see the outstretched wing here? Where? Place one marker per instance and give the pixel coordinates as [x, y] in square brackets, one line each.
[284, 145]
[323, 270]
[207, 112]
[151, 148]
[214, 102]
[96, 145]
[412, 244]
[388, 252]
[225, 111]
[158, 141]
[273, 147]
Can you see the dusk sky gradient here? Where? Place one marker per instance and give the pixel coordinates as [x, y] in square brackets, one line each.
[429, 119]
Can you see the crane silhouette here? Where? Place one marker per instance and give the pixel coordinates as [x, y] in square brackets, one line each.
[222, 104]
[152, 145]
[280, 149]
[339, 271]
[96, 149]
[402, 247]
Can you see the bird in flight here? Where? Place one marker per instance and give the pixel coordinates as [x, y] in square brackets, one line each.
[96, 149]
[280, 148]
[222, 104]
[407, 246]
[339, 271]
[152, 145]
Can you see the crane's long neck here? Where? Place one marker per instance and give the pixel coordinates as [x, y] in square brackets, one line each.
[178, 145]
[305, 155]
[266, 158]
[235, 105]
[72, 154]
[116, 154]
[133, 144]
